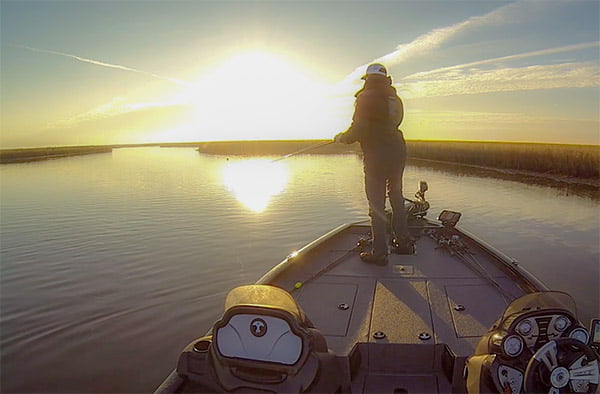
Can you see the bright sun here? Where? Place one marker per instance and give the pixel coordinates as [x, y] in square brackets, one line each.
[258, 95]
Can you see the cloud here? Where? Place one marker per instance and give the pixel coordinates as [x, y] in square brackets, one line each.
[468, 78]
[435, 38]
[103, 64]
[126, 126]
[542, 52]
[461, 81]
[512, 13]
[116, 107]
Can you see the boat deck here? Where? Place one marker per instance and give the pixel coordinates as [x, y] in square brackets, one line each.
[415, 320]
[407, 327]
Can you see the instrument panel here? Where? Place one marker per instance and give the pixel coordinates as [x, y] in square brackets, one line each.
[524, 336]
[538, 330]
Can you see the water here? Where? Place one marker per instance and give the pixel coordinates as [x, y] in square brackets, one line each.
[111, 264]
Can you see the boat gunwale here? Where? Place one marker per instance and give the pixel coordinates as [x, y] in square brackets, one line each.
[270, 276]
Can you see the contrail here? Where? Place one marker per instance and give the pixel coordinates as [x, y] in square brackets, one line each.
[433, 39]
[103, 64]
[541, 52]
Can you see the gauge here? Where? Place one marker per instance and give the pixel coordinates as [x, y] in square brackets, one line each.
[580, 334]
[525, 327]
[561, 323]
[513, 345]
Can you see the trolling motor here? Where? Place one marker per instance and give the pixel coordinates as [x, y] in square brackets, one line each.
[415, 209]
[419, 206]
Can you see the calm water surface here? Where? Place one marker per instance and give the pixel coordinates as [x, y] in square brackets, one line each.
[111, 264]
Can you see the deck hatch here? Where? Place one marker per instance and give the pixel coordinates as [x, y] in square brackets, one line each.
[320, 302]
[481, 303]
[401, 310]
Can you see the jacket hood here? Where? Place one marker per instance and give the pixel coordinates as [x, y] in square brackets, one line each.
[383, 85]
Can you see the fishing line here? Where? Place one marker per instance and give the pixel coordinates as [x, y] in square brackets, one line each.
[309, 148]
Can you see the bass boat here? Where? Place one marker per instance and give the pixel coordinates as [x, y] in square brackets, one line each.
[456, 315]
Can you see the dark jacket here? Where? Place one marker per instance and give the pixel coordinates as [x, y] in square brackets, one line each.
[378, 112]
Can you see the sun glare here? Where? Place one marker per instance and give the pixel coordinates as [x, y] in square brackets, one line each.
[258, 95]
[255, 182]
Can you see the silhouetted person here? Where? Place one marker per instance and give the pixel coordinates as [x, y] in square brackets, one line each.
[378, 112]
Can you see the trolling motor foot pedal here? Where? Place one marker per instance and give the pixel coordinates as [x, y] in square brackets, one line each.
[402, 246]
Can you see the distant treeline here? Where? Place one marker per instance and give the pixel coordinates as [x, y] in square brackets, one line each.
[35, 154]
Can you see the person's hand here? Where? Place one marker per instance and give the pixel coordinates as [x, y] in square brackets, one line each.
[338, 138]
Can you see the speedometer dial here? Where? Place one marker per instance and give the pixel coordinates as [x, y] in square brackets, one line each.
[513, 345]
[525, 327]
[580, 334]
[561, 323]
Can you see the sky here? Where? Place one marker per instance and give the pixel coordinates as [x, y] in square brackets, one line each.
[121, 72]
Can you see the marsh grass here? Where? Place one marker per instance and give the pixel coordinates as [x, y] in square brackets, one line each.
[577, 161]
[573, 161]
[36, 154]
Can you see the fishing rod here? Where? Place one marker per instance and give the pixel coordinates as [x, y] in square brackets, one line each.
[309, 148]
[328, 267]
[460, 250]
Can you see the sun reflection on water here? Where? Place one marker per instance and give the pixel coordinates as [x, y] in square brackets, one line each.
[254, 182]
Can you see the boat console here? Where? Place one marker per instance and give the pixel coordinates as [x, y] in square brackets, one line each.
[265, 342]
[538, 345]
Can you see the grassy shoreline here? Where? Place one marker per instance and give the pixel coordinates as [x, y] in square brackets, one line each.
[25, 155]
[575, 162]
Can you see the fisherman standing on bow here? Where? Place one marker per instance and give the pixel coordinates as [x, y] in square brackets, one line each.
[378, 113]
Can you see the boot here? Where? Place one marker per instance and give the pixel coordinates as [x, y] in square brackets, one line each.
[365, 242]
[369, 257]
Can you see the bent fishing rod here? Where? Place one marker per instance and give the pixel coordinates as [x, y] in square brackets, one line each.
[309, 148]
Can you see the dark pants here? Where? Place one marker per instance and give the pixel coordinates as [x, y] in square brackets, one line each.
[380, 179]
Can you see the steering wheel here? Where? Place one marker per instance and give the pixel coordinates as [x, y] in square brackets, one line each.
[562, 365]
